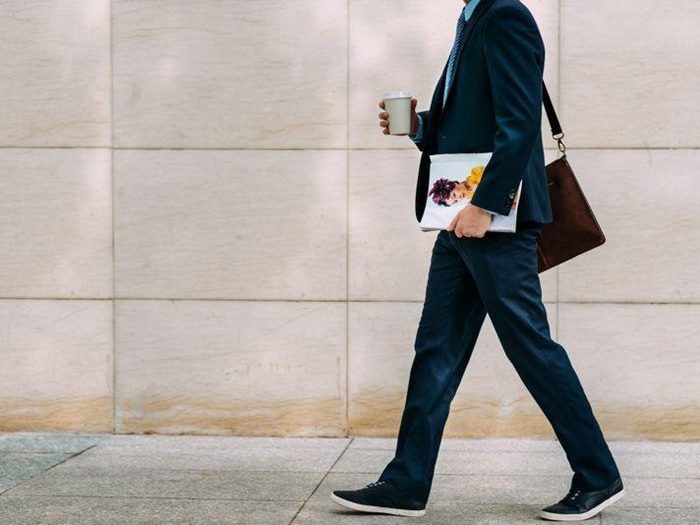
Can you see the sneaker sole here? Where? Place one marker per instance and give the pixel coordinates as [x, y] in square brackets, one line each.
[374, 509]
[580, 517]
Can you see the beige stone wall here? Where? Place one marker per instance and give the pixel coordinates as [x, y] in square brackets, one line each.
[192, 238]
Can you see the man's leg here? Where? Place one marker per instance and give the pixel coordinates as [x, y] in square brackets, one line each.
[450, 322]
[505, 269]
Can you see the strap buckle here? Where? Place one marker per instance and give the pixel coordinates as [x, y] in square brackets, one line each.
[560, 142]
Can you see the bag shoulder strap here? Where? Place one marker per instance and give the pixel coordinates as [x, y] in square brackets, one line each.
[557, 133]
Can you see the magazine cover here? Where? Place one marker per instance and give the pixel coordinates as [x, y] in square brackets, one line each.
[453, 179]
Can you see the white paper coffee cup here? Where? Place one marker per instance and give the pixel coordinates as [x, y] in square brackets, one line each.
[398, 105]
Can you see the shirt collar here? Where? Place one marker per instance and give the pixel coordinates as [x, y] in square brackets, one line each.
[468, 10]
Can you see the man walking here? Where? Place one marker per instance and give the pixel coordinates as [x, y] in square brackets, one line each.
[489, 99]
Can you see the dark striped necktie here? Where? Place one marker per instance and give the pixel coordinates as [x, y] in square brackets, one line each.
[461, 25]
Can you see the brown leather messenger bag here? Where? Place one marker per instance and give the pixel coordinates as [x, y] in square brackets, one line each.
[575, 229]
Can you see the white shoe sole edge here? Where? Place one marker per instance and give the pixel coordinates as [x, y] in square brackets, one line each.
[373, 508]
[580, 517]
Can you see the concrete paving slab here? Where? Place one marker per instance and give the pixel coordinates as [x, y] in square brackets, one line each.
[49, 441]
[691, 449]
[16, 467]
[657, 465]
[651, 516]
[18, 464]
[69, 480]
[649, 492]
[250, 458]
[7, 483]
[220, 479]
[137, 511]
[481, 444]
[139, 443]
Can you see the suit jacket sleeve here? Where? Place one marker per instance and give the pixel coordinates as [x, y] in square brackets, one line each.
[425, 117]
[514, 55]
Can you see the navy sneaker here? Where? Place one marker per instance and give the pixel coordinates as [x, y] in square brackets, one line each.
[579, 505]
[379, 497]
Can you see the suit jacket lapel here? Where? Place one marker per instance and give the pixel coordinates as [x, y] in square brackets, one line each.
[471, 24]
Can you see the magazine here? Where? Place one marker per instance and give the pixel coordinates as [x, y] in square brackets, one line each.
[453, 179]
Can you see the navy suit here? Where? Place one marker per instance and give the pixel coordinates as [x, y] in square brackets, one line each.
[493, 105]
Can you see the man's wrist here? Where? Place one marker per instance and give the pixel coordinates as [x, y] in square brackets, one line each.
[418, 136]
[483, 210]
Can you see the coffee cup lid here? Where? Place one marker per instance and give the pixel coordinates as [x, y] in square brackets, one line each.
[397, 94]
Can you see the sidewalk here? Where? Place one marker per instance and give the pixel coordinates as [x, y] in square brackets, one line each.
[78, 478]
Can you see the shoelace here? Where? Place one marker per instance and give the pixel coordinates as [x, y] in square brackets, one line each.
[573, 495]
[375, 484]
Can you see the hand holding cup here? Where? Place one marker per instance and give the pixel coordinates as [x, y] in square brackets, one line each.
[404, 123]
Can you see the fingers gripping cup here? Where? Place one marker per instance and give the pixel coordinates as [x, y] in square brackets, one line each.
[398, 105]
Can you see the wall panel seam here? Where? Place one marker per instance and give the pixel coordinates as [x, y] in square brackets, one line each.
[346, 431]
[113, 185]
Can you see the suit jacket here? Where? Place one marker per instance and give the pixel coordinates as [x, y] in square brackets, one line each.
[494, 105]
